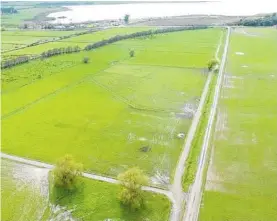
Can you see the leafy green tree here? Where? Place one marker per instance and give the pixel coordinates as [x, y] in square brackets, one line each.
[126, 18]
[132, 53]
[212, 64]
[66, 172]
[85, 60]
[131, 182]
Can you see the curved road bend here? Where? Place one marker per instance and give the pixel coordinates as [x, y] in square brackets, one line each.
[177, 188]
[87, 175]
[195, 196]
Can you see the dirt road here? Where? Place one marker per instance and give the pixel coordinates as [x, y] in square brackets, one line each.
[195, 196]
[177, 188]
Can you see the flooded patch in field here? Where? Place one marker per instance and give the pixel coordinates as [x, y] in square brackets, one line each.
[221, 124]
[25, 190]
[59, 213]
[188, 110]
[239, 53]
[34, 177]
[247, 33]
[161, 178]
[214, 180]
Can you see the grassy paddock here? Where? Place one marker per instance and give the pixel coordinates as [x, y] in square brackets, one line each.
[240, 182]
[81, 40]
[112, 113]
[25, 196]
[95, 200]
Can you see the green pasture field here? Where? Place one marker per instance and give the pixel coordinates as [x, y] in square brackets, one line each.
[95, 200]
[81, 41]
[241, 181]
[112, 113]
[25, 196]
[20, 38]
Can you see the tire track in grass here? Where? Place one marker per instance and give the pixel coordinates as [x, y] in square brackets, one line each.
[193, 205]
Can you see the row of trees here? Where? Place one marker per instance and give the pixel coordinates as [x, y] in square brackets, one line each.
[269, 20]
[70, 49]
[46, 54]
[15, 61]
[8, 10]
[139, 34]
[67, 173]
[58, 51]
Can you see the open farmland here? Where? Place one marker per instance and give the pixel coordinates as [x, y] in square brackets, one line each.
[20, 38]
[114, 112]
[241, 180]
[81, 40]
[27, 195]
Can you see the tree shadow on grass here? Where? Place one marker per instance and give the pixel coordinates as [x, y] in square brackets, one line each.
[133, 214]
[67, 197]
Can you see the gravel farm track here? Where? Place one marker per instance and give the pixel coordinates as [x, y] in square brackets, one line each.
[193, 203]
[175, 194]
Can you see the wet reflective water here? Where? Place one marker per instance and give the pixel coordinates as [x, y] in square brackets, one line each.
[145, 10]
[25, 194]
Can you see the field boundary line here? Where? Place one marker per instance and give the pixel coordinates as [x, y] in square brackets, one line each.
[195, 196]
[53, 93]
[54, 40]
[92, 176]
[7, 91]
[164, 66]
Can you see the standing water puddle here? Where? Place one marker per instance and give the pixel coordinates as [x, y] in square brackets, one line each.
[25, 194]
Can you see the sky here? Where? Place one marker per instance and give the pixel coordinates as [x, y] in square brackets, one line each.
[245, 3]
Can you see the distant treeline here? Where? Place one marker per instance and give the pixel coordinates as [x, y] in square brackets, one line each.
[139, 34]
[268, 20]
[46, 54]
[8, 10]
[15, 61]
[58, 51]
[76, 49]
